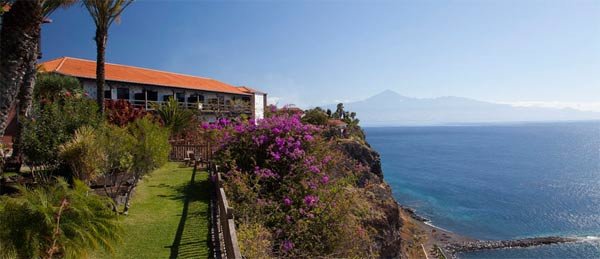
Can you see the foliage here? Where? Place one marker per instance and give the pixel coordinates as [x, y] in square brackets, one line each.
[52, 87]
[254, 240]
[117, 145]
[56, 221]
[175, 117]
[104, 12]
[281, 174]
[315, 116]
[122, 112]
[52, 125]
[84, 154]
[151, 148]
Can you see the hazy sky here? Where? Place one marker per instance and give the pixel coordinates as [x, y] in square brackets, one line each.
[317, 52]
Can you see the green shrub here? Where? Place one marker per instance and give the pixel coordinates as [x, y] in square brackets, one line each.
[254, 240]
[56, 221]
[52, 87]
[175, 117]
[315, 116]
[84, 154]
[117, 144]
[151, 148]
[54, 124]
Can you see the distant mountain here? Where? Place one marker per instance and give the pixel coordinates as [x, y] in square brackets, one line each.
[389, 108]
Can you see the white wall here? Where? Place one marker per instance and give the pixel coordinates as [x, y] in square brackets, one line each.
[259, 106]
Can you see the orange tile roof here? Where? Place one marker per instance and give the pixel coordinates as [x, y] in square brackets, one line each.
[249, 90]
[83, 68]
[336, 123]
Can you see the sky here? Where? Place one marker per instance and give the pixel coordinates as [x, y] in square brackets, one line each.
[307, 53]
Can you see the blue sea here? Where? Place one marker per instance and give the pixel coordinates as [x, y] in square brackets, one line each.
[501, 181]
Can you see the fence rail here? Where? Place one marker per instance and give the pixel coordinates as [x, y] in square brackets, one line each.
[182, 152]
[225, 227]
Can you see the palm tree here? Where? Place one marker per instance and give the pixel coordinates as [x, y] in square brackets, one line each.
[26, 30]
[20, 29]
[104, 13]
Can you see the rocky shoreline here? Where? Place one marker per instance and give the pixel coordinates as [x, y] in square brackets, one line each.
[452, 244]
[453, 249]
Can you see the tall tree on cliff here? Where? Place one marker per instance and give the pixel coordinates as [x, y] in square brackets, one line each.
[104, 13]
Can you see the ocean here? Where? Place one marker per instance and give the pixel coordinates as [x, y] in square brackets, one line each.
[501, 181]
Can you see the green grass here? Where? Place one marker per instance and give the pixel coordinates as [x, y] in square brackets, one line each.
[169, 216]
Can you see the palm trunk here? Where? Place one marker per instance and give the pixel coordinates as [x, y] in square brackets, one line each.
[25, 97]
[101, 37]
[20, 29]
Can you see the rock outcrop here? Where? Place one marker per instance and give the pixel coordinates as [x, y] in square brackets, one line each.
[379, 194]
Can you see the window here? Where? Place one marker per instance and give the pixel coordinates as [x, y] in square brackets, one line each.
[196, 98]
[123, 93]
[166, 97]
[107, 94]
[152, 95]
[139, 96]
[180, 97]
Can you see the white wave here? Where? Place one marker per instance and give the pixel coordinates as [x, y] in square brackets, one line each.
[592, 238]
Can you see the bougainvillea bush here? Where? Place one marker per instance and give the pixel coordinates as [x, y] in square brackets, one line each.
[292, 191]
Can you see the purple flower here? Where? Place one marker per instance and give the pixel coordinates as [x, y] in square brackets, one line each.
[325, 179]
[287, 201]
[308, 138]
[264, 172]
[288, 218]
[311, 200]
[314, 169]
[276, 156]
[287, 245]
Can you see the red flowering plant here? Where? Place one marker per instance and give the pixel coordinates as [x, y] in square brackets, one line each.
[122, 112]
[281, 174]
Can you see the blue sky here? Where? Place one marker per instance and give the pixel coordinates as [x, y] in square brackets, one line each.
[318, 52]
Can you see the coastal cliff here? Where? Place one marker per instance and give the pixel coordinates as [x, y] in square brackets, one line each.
[389, 224]
[401, 232]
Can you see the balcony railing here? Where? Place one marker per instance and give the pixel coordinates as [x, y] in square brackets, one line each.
[202, 107]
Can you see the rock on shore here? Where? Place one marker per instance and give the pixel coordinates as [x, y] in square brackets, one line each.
[489, 244]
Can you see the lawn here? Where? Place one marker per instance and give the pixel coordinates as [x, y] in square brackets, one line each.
[169, 216]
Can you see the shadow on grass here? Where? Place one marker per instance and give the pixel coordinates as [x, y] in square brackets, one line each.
[192, 239]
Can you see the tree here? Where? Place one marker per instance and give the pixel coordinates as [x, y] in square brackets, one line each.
[339, 112]
[19, 51]
[104, 13]
[51, 87]
[150, 151]
[315, 116]
[20, 29]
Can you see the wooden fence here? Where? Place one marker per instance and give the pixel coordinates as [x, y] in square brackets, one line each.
[190, 152]
[225, 220]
